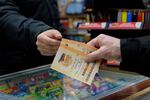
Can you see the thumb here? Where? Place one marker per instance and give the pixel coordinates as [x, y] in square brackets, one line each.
[55, 34]
[94, 56]
[92, 42]
[58, 36]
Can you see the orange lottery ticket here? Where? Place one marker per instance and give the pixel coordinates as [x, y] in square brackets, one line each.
[69, 60]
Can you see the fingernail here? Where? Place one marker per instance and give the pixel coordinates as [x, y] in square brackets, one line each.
[59, 37]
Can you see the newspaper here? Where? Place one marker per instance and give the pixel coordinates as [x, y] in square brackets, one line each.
[69, 60]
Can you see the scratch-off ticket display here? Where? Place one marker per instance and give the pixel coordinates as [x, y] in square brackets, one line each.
[37, 84]
[42, 83]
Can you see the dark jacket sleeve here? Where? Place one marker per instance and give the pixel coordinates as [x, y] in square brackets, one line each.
[135, 54]
[16, 28]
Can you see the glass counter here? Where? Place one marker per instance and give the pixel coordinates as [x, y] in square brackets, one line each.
[43, 83]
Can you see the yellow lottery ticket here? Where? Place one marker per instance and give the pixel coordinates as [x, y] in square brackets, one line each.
[69, 60]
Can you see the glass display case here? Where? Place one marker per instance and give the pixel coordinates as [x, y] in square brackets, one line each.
[43, 83]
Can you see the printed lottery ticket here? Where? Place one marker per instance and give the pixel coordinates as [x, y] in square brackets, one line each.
[69, 60]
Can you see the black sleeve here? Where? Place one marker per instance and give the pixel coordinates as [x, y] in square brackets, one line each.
[16, 28]
[135, 54]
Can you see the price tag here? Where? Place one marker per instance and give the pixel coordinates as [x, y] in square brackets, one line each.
[92, 25]
[125, 25]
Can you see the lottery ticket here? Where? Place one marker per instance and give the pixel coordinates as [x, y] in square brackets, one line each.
[78, 46]
[69, 60]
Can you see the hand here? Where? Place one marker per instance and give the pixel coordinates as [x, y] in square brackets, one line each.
[48, 42]
[108, 48]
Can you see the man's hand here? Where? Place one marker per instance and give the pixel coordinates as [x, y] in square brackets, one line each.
[108, 48]
[48, 42]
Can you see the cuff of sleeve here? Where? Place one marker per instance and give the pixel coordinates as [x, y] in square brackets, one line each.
[129, 54]
[36, 30]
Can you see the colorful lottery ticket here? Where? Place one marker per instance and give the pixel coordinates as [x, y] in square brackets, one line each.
[69, 60]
